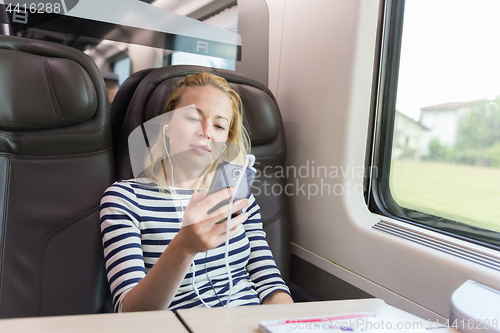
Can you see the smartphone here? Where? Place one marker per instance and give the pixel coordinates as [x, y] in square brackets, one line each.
[225, 176]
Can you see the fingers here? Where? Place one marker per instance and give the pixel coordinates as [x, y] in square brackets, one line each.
[221, 238]
[200, 203]
[202, 235]
[203, 230]
[192, 216]
[233, 232]
[234, 226]
[211, 200]
[221, 213]
[196, 198]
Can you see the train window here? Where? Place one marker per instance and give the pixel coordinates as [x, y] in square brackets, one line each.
[122, 69]
[438, 118]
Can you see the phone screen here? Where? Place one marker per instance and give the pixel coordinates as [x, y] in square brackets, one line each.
[226, 176]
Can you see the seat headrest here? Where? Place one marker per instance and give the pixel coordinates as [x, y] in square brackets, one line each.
[58, 92]
[261, 115]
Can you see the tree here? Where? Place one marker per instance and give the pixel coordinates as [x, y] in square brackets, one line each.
[478, 139]
[480, 128]
[438, 152]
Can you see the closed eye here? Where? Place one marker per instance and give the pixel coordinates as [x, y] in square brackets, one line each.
[220, 128]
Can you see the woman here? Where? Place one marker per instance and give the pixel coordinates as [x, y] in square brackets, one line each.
[147, 230]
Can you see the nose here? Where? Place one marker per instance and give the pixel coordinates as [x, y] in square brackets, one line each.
[206, 129]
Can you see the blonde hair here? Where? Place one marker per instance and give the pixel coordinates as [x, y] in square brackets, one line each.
[237, 137]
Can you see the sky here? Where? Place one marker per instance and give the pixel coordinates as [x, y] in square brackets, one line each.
[450, 53]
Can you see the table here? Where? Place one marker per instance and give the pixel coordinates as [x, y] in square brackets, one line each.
[246, 319]
[154, 321]
[201, 320]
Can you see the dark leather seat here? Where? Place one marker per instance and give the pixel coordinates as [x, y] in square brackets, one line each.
[56, 160]
[120, 104]
[262, 120]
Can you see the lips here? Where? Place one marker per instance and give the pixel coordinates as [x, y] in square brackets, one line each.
[201, 148]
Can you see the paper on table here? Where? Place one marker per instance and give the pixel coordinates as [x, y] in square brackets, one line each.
[351, 322]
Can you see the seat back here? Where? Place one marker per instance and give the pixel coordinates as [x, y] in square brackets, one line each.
[120, 104]
[263, 122]
[56, 160]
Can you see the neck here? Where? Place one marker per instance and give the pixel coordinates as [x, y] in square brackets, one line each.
[183, 177]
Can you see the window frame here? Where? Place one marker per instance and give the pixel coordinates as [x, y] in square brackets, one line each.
[378, 195]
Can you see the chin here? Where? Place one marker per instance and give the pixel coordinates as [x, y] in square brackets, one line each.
[197, 162]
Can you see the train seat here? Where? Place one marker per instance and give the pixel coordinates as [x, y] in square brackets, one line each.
[56, 160]
[262, 120]
[120, 104]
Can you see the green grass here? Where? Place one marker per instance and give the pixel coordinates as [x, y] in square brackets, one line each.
[467, 194]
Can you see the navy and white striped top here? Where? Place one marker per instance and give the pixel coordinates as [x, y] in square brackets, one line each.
[138, 222]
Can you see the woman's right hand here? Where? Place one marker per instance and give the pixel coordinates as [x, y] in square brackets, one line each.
[200, 231]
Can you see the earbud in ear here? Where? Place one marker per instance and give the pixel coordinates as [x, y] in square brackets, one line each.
[165, 128]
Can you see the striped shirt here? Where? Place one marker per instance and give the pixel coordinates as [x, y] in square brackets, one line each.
[137, 224]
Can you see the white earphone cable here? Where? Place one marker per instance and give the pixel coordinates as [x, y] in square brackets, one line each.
[248, 161]
[193, 271]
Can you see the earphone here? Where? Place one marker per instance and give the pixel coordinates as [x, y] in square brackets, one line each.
[165, 128]
[249, 162]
